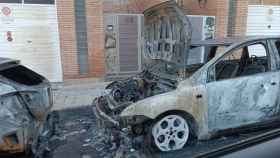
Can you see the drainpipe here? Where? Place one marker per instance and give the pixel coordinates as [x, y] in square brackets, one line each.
[232, 11]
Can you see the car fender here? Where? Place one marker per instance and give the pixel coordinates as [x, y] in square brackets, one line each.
[153, 106]
[183, 99]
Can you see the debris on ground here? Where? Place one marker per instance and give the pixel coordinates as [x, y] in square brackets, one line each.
[92, 142]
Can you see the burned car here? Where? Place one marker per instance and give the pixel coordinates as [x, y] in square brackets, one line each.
[235, 85]
[26, 101]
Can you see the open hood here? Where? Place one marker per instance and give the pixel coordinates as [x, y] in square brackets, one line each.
[167, 37]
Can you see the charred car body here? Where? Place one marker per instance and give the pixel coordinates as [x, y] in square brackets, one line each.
[26, 100]
[237, 85]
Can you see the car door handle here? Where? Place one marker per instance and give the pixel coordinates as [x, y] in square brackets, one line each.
[273, 83]
[198, 96]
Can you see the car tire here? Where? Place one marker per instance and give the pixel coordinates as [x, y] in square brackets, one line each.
[168, 133]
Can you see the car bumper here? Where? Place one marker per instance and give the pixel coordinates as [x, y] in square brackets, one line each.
[106, 120]
[103, 119]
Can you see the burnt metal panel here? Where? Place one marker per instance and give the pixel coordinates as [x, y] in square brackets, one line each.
[241, 101]
[81, 36]
[197, 29]
[128, 42]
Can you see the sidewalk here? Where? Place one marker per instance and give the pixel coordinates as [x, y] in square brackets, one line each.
[76, 93]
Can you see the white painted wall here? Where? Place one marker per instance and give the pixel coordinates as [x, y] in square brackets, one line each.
[35, 38]
[263, 20]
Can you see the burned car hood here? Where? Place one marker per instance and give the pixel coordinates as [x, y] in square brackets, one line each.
[31, 87]
[167, 37]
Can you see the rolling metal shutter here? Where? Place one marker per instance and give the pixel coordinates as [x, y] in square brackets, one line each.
[123, 43]
[29, 32]
[128, 47]
[197, 34]
[263, 20]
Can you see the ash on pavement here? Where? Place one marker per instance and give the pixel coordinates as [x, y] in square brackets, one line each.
[76, 138]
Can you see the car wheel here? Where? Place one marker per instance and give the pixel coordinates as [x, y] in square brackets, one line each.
[170, 133]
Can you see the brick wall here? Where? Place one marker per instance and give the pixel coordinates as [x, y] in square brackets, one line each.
[66, 20]
[129, 6]
[217, 8]
[264, 2]
[193, 7]
[95, 38]
[220, 9]
[222, 18]
[241, 18]
[96, 8]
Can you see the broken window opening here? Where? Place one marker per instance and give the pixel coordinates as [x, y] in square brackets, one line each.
[277, 44]
[22, 75]
[245, 61]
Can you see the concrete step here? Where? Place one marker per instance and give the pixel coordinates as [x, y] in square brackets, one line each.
[76, 93]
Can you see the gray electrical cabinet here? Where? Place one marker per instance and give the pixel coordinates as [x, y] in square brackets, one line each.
[203, 27]
[123, 41]
[123, 34]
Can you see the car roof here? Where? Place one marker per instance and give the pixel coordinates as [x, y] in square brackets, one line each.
[227, 41]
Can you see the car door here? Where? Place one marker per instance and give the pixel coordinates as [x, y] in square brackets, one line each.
[245, 92]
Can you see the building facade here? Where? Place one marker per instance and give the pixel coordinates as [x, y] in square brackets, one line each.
[74, 48]
[233, 16]
[81, 38]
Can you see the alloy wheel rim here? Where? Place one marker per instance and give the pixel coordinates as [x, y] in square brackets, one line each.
[171, 133]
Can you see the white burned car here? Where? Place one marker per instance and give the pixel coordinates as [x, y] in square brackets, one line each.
[236, 85]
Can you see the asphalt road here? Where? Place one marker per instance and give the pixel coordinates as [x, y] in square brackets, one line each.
[76, 130]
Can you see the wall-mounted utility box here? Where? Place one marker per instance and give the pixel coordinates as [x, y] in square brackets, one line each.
[123, 34]
[123, 41]
[203, 27]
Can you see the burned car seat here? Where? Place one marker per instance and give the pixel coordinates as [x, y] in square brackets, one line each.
[228, 70]
[254, 65]
[253, 69]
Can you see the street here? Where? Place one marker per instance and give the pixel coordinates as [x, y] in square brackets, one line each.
[77, 129]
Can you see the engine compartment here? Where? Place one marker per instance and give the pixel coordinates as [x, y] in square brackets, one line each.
[121, 94]
[139, 87]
